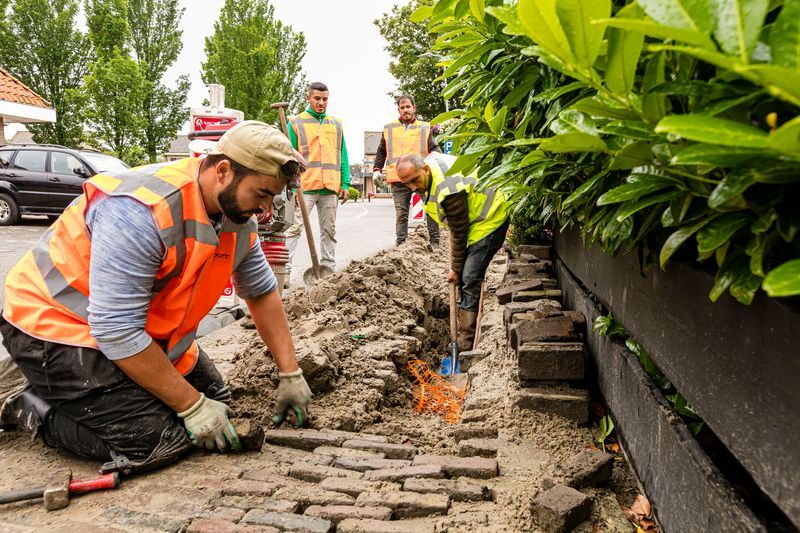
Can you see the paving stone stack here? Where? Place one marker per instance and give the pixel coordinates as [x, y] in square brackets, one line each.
[546, 338]
[349, 482]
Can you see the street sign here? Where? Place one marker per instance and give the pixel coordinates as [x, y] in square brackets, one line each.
[448, 147]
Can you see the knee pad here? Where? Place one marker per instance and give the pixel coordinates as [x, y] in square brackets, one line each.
[173, 443]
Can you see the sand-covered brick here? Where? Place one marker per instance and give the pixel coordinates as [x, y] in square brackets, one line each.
[348, 452]
[210, 525]
[459, 490]
[289, 521]
[250, 433]
[247, 487]
[541, 251]
[399, 475]
[406, 504]
[246, 503]
[572, 404]
[392, 451]
[506, 293]
[362, 464]
[474, 431]
[551, 361]
[588, 468]
[353, 525]
[337, 513]
[474, 467]
[315, 473]
[303, 439]
[354, 487]
[478, 448]
[530, 296]
[554, 329]
[231, 514]
[560, 508]
[314, 495]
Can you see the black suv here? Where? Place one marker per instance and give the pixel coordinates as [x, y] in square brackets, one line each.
[43, 179]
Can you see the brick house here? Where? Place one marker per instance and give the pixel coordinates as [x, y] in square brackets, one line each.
[20, 104]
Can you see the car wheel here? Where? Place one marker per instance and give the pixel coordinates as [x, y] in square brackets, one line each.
[9, 212]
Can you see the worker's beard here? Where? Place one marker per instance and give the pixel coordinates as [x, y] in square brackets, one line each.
[229, 205]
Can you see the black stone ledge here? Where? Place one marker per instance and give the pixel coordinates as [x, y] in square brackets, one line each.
[687, 491]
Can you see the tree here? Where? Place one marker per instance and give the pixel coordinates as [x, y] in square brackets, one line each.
[43, 48]
[257, 58]
[413, 64]
[155, 39]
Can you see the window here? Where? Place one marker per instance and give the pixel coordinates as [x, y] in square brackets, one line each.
[32, 160]
[5, 158]
[62, 163]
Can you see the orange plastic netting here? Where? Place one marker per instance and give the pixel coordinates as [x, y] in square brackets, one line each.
[434, 394]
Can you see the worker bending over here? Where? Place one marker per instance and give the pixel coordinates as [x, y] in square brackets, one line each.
[101, 316]
[478, 221]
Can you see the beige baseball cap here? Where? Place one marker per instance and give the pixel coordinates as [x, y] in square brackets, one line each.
[254, 144]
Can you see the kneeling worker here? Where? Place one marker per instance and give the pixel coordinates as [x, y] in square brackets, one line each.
[478, 221]
[102, 314]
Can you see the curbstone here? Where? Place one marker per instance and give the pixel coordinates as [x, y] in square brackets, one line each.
[560, 508]
[572, 404]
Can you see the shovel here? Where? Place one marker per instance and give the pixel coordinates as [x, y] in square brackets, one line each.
[450, 366]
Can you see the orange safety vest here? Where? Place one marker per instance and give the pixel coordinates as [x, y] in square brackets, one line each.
[47, 292]
[321, 145]
[401, 140]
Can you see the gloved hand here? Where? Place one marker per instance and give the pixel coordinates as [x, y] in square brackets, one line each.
[208, 425]
[377, 178]
[293, 392]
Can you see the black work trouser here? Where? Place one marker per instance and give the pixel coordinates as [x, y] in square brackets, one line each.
[96, 408]
[479, 255]
[401, 194]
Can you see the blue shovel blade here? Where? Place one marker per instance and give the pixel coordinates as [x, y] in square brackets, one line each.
[447, 363]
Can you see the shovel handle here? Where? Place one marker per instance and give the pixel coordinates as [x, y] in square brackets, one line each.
[453, 313]
[108, 481]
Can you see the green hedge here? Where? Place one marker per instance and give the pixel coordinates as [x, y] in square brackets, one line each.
[667, 125]
[354, 194]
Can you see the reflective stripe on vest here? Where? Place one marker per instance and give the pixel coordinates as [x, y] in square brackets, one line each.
[487, 209]
[401, 140]
[47, 292]
[321, 145]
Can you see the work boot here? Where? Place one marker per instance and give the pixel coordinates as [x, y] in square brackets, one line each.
[25, 410]
[467, 322]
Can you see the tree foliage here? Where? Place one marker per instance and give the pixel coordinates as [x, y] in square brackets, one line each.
[413, 64]
[650, 125]
[257, 58]
[40, 45]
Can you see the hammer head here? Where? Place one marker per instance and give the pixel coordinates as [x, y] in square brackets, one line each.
[278, 105]
[56, 492]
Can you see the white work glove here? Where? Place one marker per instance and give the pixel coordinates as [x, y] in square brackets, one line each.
[293, 392]
[208, 425]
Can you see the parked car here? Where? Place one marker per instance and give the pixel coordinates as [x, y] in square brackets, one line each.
[43, 179]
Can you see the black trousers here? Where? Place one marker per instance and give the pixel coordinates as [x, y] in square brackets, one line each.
[401, 194]
[96, 408]
[479, 255]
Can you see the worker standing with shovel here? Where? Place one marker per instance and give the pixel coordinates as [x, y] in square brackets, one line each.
[477, 220]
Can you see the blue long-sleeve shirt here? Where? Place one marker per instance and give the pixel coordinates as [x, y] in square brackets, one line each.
[125, 257]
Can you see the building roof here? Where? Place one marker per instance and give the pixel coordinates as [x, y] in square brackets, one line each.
[22, 137]
[179, 145]
[13, 90]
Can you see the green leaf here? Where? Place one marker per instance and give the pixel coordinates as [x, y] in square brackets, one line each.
[576, 18]
[543, 26]
[783, 280]
[745, 286]
[649, 27]
[478, 8]
[725, 277]
[633, 155]
[787, 138]
[686, 14]
[675, 240]
[635, 207]
[594, 107]
[421, 14]
[718, 156]
[488, 111]
[508, 16]
[447, 115]
[573, 142]
[713, 130]
[737, 25]
[587, 187]
[720, 231]
[498, 121]
[462, 7]
[646, 184]
[572, 120]
[441, 9]
[624, 49]
[784, 36]
[654, 105]
[733, 185]
[781, 82]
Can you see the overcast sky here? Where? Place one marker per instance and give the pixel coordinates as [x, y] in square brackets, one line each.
[344, 51]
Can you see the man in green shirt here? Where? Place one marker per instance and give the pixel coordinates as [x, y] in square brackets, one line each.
[320, 138]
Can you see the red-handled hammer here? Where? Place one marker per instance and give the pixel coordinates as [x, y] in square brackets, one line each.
[60, 486]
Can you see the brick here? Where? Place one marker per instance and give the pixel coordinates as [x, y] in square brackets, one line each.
[231, 514]
[251, 434]
[543, 361]
[540, 251]
[318, 371]
[459, 490]
[268, 475]
[316, 473]
[506, 293]
[560, 508]
[350, 435]
[303, 439]
[362, 464]
[246, 503]
[374, 383]
[472, 431]
[530, 296]
[408, 344]
[306, 496]
[337, 513]
[399, 475]
[248, 487]
[514, 308]
[354, 487]
[352, 525]
[544, 330]
[208, 525]
[469, 417]
[348, 452]
[474, 467]
[577, 318]
[139, 519]
[478, 447]
[521, 267]
[572, 404]
[392, 451]
[289, 521]
[588, 468]
[406, 504]
[469, 518]
[468, 358]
